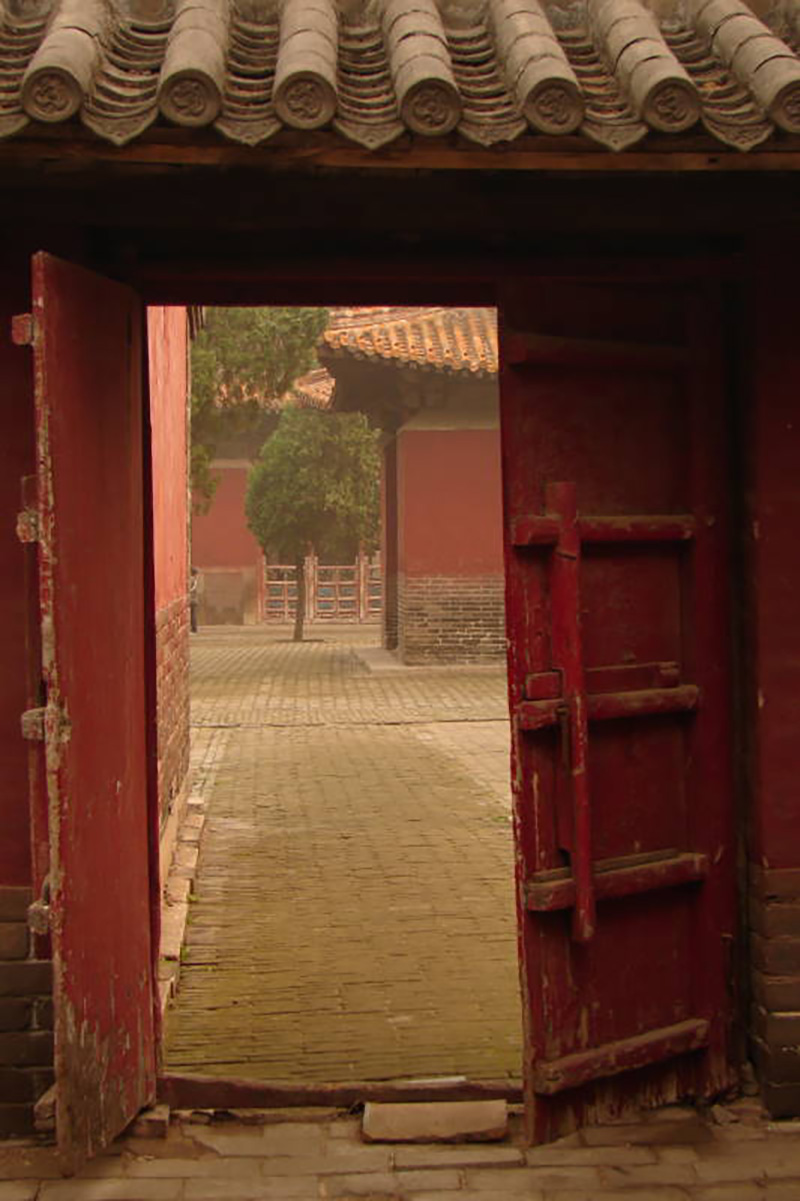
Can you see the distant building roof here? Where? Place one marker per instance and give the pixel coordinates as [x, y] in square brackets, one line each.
[313, 390]
[432, 339]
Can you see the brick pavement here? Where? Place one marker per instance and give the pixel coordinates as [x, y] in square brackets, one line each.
[672, 1155]
[353, 908]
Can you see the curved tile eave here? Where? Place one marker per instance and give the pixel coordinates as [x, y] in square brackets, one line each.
[408, 73]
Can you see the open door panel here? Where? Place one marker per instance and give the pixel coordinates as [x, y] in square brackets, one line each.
[615, 458]
[86, 333]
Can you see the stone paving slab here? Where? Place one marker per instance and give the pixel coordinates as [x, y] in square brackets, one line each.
[283, 1160]
[435, 1121]
[258, 676]
[353, 912]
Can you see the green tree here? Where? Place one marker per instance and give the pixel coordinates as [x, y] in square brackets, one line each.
[244, 363]
[315, 484]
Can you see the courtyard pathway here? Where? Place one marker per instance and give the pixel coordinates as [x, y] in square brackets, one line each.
[353, 913]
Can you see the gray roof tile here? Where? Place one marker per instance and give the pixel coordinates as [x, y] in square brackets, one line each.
[606, 70]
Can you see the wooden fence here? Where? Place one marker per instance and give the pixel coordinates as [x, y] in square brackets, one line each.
[340, 592]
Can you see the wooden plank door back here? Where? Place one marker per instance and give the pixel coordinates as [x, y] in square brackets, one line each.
[87, 347]
[615, 496]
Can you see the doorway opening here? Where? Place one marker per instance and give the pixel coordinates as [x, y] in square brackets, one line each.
[616, 518]
[351, 916]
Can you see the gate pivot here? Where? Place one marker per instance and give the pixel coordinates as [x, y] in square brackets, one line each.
[23, 329]
[28, 525]
[39, 911]
[32, 723]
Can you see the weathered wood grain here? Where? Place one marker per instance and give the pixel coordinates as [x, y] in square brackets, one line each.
[627, 1054]
[220, 1092]
[610, 706]
[548, 891]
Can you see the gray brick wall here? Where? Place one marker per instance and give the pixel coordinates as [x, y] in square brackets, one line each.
[172, 670]
[775, 976]
[26, 1018]
[451, 619]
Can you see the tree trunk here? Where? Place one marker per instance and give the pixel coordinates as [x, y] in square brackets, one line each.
[300, 611]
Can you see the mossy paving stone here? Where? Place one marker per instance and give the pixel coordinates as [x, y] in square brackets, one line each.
[354, 904]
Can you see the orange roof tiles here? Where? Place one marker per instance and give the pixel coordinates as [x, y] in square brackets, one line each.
[314, 389]
[435, 339]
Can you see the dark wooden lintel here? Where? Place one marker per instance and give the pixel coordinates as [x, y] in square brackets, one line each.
[540, 153]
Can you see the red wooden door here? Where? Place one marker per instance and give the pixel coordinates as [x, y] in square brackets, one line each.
[615, 487]
[87, 346]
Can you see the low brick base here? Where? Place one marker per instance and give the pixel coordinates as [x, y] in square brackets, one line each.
[172, 675]
[451, 619]
[26, 1018]
[775, 1017]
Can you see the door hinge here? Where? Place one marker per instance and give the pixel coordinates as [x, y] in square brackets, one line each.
[32, 723]
[23, 329]
[39, 911]
[28, 525]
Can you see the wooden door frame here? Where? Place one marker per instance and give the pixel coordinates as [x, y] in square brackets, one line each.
[473, 281]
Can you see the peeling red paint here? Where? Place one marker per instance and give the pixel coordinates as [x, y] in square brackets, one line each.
[90, 526]
[620, 690]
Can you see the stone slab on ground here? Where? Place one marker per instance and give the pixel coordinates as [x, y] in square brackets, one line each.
[152, 1122]
[173, 925]
[325, 1159]
[435, 1122]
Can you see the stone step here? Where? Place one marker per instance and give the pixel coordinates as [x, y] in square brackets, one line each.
[435, 1122]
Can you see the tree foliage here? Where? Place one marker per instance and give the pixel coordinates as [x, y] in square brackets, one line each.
[244, 363]
[315, 484]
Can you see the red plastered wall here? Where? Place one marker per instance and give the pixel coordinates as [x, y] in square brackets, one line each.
[220, 538]
[450, 505]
